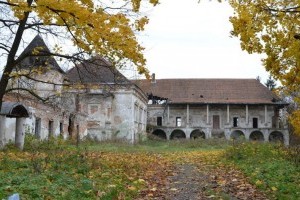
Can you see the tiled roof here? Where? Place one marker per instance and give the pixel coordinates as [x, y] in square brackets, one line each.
[96, 70]
[41, 58]
[229, 91]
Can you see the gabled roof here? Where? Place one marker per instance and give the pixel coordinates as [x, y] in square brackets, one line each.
[39, 59]
[96, 70]
[213, 91]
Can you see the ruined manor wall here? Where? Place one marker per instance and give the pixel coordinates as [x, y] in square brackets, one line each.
[198, 115]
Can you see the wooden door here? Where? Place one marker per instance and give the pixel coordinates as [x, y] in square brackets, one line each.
[216, 122]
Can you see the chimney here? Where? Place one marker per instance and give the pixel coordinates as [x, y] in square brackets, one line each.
[153, 78]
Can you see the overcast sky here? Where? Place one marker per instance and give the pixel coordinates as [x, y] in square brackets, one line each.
[187, 39]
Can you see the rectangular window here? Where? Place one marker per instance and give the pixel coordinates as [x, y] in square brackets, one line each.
[255, 122]
[61, 128]
[235, 122]
[178, 121]
[50, 128]
[159, 121]
[37, 130]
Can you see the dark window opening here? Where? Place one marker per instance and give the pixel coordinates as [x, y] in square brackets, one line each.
[61, 127]
[50, 128]
[235, 121]
[159, 121]
[255, 122]
[37, 129]
[178, 121]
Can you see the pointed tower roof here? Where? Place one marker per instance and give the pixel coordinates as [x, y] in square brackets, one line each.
[39, 59]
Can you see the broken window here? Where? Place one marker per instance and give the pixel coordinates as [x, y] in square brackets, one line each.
[50, 128]
[159, 121]
[255, 122]
[235, 121]
[37, 129]
[178, 121]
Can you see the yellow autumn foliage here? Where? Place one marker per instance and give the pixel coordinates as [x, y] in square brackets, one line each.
[93, 26]
[272, 28]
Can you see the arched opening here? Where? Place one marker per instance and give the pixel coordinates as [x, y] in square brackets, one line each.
[195, 134]
[177, 134]
[14, 110]
[160, 133]
[237, 135]
[256, 136]
[276, 136]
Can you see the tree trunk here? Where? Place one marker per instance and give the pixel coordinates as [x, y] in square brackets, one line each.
[10, 63]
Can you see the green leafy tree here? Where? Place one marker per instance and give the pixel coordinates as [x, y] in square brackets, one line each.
[270, 83]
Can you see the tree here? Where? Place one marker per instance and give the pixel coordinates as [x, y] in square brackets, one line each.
[271, 83]
[92, 26]
[272, 28]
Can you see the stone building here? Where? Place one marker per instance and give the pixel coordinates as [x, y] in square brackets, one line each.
[230, 108]
[95, 100]
[92, 99]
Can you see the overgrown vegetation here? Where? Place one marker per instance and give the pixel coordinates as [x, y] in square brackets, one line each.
[273, 168]
[57, 169]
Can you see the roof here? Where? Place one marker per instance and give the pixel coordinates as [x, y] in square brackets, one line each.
[41, 58]
[96, 70]
[214, 91]
[13, 109]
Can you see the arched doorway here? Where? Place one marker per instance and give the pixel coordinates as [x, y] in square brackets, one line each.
[18, 111]
[177, 134]
[276, 136]
[237, 135]
[160, 133]
[256, 136]
[195, 134]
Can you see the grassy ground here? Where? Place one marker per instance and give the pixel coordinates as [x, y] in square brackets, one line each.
[112, 170]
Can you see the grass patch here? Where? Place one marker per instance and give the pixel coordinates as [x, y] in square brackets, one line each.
[269, 166]
[159, 146]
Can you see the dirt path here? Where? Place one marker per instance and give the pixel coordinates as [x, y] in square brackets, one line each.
[202, 182]
[187, 183]
[193, 182]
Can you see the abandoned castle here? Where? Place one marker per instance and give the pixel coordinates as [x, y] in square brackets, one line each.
[107, 105]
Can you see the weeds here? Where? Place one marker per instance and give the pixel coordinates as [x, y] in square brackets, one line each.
[271, 167]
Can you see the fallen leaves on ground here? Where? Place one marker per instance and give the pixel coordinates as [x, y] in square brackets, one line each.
[123, 175]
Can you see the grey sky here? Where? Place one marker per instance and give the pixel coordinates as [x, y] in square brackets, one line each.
[187, 39]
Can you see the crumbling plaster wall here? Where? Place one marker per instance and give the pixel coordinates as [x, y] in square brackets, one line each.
[129, 114]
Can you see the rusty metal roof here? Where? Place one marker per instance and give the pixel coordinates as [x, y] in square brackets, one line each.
[213, 91]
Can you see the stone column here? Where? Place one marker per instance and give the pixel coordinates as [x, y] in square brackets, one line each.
[228, 119]
[168, 115]
[20, 133]
[247, 115]
[266, 113]
[187, 115]
[207, 114]
[2, 130]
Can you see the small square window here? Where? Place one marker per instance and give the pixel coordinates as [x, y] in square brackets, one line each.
[178, 121]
